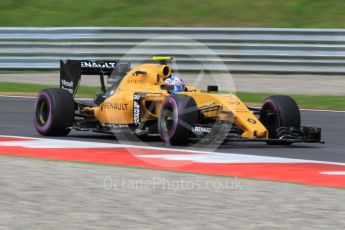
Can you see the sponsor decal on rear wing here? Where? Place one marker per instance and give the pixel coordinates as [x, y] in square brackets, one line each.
[71, 71]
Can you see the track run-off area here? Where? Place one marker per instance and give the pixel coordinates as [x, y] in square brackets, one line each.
[311, 164]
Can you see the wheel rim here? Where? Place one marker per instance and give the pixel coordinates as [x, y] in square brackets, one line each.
[270, 118]
[42, 113]
[167, 119]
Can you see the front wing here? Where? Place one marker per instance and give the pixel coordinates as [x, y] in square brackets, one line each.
[224, 133]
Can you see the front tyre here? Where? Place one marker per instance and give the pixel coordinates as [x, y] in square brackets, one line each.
[54, 112]
[178, 114]
[280, 111]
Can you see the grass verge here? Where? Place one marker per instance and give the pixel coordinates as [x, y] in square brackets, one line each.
[304, 101]
[9, 88]
[233, 13]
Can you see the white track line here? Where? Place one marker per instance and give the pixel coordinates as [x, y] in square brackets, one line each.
[25, 97]
[324, 110]
[337, 173]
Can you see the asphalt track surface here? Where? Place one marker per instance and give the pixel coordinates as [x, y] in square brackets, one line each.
[41, 194]
[16, 114]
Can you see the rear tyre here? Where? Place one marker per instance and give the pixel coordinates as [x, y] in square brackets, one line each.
[178, 114]
[54, 112]
[280, 111]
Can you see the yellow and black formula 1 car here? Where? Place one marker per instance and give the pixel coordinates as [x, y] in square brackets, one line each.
[138, 100]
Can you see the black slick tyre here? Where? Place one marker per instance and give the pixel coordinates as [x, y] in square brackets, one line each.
[280, 111]
[178, 115]
[54, 112]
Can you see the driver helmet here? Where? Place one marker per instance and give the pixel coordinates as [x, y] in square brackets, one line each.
[177, 82]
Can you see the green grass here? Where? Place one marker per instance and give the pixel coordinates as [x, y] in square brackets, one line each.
[227, 13]
[311, 102]
[33, 89]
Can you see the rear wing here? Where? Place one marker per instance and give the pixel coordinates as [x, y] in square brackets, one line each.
[71, 71]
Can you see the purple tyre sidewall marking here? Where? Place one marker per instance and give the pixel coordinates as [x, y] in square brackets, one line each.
[46, 126]
[175, 114]
[275, 107]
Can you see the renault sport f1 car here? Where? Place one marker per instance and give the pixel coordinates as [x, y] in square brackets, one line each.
[139, 99]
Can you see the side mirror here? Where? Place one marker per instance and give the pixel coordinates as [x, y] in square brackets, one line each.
[167, 87]
[136, 73]
[212, 88]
